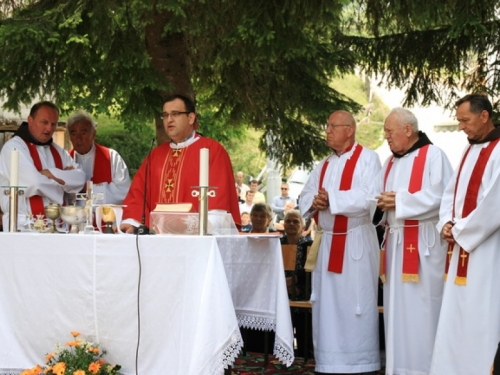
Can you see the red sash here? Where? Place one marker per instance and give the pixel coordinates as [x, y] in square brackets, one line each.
[410, 231]
[102, 164]
[337, 249]
[36, 201]
[470, 204]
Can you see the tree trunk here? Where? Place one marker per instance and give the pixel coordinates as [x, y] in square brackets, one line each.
[170, 57]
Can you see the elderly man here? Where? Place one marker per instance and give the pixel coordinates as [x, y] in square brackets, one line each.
[345, 278]
[45, 169]
[103, 166]
[410, 185]
[239, 178]
[469, 323]
[172, 169]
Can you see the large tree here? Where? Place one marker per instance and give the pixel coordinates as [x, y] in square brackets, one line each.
[266, 64]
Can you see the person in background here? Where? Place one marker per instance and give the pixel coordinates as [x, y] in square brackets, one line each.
[240, 201]
[246, 225]
[345, 277]
[248, 204]
[103, 166]
[293, 227]
[171, 169]
[258, 196]
[410, 186]
[469, 322]
[45, 169]
[261, 216]
[239, 178]
[308, 231]
[279, 221]
[279, 201]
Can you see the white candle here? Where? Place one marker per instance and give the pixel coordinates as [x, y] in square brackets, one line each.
[204, 167]
[14, 168]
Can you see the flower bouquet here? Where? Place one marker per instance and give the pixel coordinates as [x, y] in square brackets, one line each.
[79, 358]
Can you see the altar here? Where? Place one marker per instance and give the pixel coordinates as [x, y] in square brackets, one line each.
[186, 311]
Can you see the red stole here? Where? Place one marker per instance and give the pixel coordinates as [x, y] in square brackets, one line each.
[410, 231]
[470, 204]
[36, 201]
[102, 164]
[339, 237]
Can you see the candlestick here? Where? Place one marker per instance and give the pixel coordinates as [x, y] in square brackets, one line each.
[204, 167]
[14, 168]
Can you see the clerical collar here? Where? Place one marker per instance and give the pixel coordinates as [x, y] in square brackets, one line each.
[491, 136]
[422, 141]
[339, 154]
[23, 133]
[193, 137]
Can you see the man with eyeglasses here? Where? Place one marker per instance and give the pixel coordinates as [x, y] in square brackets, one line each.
[279, 201]
[345, 275]
[172, 169]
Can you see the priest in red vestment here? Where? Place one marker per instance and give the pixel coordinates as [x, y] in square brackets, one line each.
[172, 170]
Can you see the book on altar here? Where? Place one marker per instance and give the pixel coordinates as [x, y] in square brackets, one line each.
[173, 207]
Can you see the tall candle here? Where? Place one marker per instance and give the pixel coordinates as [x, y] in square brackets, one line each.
[14, 168]
[204, 167]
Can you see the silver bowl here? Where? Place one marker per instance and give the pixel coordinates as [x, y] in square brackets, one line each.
[73, 215]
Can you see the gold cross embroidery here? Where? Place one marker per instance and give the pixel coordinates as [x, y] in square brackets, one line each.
[463, 256]
[450, 253]
[411, 248]
[169, 185]
[177, 151]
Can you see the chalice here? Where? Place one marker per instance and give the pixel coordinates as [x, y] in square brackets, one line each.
[109, 217]
[73, 215]
[53, 212]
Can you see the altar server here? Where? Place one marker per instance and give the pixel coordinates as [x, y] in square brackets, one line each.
[345, 277]
[411, 184]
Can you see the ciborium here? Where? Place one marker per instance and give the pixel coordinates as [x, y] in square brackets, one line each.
[73, 215]
[108, 216]
[53, 212]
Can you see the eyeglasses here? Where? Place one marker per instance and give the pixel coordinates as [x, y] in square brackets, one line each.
[296, 222]
[174, 114]
[332, 126]
[284, 188]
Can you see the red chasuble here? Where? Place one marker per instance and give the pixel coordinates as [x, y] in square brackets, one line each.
[470, 204]
[36, 201]
[410, 232]
[172, 175]
[102, 164]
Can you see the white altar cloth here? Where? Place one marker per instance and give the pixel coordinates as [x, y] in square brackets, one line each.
[256, 276]
[51, 284]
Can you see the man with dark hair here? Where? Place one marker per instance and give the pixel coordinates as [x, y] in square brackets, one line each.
[45, 169]
[172, 169]
[469, 322]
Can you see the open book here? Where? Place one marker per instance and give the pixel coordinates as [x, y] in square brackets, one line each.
[173, 207]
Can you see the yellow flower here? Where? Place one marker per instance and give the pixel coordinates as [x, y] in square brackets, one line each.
[73, 343]
[75, 334]
[94, 367]
[32, 371]
[49, 356]
[79, 372]
[59, 368]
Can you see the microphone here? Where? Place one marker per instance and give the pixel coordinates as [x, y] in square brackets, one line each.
[143, 229]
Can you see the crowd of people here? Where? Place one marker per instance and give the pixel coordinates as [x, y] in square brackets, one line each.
[437, 256]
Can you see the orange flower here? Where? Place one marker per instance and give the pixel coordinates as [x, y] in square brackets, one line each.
[59, 368]
[101, 362]
[94, 367]
[75, 334]
[79, 372]
[73, 343]
[32, 371]
[49, 356]
[94, 350]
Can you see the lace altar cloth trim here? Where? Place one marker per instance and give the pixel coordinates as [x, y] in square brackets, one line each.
[282, 351]
[4, 371]
[228, 354]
